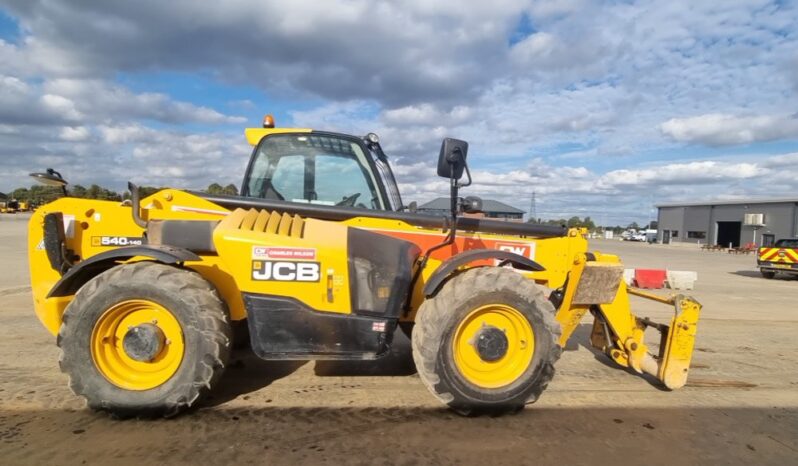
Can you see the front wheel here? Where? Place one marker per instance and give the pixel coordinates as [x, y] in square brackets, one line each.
[487, 342]
[144, 339]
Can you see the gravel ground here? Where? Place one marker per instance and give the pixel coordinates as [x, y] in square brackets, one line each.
[740, 406]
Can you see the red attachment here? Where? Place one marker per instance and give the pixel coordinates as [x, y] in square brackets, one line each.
[650, 278]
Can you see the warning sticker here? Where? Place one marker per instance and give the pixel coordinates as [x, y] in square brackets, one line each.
[378, 326]
[268, 252]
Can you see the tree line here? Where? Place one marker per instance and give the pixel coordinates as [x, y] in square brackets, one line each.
[587, 222]
[40, 194]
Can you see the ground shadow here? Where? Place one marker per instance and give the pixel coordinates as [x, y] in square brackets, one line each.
[248, 373]
[581, 338]
[398, 362]
[758, 275]
[404, 435]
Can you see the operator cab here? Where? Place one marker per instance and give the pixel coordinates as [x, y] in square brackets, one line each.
[320, 168]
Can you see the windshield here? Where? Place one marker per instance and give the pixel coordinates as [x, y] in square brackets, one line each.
[318, 169]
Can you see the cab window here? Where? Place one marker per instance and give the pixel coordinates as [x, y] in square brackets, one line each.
[317, 169]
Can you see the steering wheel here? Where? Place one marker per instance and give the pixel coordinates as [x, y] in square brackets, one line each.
[349, 201]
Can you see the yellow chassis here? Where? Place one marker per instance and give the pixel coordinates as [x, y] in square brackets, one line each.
[591, 282]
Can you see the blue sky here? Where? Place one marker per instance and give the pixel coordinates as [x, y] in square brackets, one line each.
[600, 108]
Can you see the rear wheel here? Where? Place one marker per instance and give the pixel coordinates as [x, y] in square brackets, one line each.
[144, 339]
[768, 274]
[487, 342]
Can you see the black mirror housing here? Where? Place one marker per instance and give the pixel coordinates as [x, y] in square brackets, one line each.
[49, 178]
[452, 159]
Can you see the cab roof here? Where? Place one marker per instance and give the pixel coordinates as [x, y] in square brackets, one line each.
[254, 135]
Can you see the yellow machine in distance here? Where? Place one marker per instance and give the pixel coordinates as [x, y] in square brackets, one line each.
[323, 261]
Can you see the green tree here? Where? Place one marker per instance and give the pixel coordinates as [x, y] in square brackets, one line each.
[39, 194]
[20, 194]
[78, 191]
[145, 191]
[230, 189]
[93, 192]
[215, 188]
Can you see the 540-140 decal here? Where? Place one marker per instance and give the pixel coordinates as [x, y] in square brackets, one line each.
[115, 241]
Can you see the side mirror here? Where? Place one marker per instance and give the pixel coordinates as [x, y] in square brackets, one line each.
[452, 159]
[51, 178]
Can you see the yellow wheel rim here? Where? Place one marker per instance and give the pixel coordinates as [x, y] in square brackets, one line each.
[114, 363]
[515, 360]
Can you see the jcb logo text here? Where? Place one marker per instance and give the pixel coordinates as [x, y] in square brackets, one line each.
[285, 271]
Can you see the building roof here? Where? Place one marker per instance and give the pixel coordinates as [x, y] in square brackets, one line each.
[783, 200]
[488, 205]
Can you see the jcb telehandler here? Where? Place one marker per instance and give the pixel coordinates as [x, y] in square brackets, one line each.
[323, 261]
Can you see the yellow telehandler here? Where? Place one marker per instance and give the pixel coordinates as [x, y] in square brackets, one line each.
[322, 260]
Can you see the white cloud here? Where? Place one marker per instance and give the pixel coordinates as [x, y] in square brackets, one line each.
[536, 47]
[76, 101]
[427, 115]
[680, 173]
[109, 101]
[61, 105]
[726, 129]
[789, 161]
[547, 8]
[75, 134]
[616, 196]
[590, 109]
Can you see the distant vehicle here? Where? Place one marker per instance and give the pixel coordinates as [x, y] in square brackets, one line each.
[628, 235]
[781, 257]
[10, 207]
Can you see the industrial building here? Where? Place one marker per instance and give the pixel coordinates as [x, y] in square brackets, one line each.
[490, 209]
[728, 223]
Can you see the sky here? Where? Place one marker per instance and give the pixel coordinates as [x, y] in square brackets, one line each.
[599, 108]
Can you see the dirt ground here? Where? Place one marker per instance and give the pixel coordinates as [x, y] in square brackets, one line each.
[740, 406]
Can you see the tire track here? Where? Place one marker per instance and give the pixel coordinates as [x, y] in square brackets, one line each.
[15, 290]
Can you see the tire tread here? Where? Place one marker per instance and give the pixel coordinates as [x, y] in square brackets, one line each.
[210, 319]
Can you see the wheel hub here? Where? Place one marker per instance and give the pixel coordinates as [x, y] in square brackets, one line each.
[143, 342]
[491, 343]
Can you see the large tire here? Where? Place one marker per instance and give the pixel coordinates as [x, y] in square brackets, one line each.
[767, 273]
[437, 330]
[198, 351]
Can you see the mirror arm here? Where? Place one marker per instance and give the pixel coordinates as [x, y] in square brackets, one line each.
[51, 171]
[468, 173]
